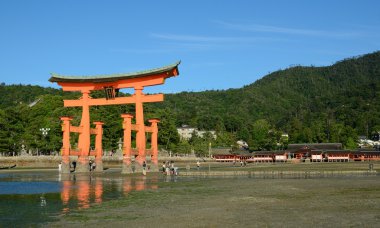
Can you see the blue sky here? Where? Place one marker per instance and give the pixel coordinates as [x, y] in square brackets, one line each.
[222, 44]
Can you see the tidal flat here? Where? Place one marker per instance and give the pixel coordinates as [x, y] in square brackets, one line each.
[338, 201]
[257, 195]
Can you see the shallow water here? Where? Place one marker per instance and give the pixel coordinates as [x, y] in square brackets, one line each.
[35, 197]
[30, 198]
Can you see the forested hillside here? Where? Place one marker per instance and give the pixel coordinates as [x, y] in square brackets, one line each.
[312, 104]
[11, 95]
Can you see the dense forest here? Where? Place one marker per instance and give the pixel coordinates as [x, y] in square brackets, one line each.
[311, 104]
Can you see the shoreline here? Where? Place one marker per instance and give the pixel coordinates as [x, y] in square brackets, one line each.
[44, 161]
[216, 169]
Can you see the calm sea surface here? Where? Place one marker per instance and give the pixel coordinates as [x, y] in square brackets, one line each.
[31, 198]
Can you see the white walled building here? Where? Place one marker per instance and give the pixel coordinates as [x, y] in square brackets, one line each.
[185, 132]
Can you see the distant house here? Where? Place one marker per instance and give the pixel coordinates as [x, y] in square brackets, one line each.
[374, 142]
[242, 144]
[185, 132]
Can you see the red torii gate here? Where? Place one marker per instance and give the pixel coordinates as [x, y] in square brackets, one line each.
[111, 84]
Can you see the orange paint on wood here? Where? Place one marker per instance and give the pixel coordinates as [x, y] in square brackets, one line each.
[98, 141]
[76, 129]
[154, 139]
[127, 126]
[115, 101]
[138, 98]
[140, 136]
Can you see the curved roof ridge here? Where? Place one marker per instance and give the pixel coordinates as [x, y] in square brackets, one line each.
[112, 77]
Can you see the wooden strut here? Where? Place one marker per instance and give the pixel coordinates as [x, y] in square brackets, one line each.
[127, 141]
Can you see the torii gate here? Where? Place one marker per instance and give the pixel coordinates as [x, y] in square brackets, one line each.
[111, 84]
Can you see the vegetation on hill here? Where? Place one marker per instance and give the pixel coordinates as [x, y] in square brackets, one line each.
[312, 104]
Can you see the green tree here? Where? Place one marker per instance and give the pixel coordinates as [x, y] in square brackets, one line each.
[263, 137]
[167, 135]
[225, 139]
[4, 138]
[183, 147]
[199, 146]
[350, 144]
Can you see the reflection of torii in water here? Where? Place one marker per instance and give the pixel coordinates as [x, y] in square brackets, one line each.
[87, 190]
[111, 84]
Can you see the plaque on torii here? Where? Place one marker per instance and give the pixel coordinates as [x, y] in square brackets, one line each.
[111, 84]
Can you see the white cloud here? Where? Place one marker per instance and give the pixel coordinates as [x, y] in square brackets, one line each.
[142, 50]
[205, 39]
[288, 31]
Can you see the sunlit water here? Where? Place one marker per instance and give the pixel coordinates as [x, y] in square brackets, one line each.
[30, 198]
[35, 197]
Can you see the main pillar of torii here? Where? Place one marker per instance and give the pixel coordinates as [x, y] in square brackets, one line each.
[111, 85]
[67, 128]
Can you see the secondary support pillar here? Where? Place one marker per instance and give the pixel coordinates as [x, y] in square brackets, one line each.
[127, 145]
[99, 146]
[154, 144]
[65, 168]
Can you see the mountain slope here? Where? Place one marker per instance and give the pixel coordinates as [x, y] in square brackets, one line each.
[312, 104]
[15, 94]
[345, 93]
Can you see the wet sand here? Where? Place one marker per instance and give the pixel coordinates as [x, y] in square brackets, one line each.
[340, 201]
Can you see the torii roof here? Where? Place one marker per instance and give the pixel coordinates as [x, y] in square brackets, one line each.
[169, 71]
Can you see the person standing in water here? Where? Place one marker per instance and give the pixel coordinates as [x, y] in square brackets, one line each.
[163, 167]
[144, 168]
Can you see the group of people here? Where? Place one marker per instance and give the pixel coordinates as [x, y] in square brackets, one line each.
[73, 166]
[243, 163]
[168, 168]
